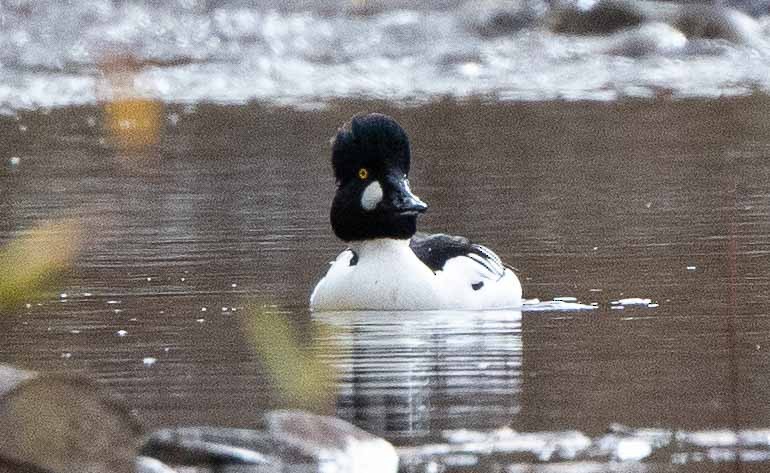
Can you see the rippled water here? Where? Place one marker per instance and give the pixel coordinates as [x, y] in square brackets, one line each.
[390, 365]
[607, 203]
[305, 53]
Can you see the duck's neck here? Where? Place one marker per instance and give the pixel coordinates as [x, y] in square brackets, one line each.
[380, 246]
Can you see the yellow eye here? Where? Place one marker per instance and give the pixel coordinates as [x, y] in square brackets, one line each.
[363, 173]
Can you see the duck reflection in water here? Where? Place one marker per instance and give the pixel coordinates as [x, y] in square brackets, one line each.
[412, 374]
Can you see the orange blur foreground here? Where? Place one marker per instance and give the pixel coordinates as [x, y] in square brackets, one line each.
[132, 121]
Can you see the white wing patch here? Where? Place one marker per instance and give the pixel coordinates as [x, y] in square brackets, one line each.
[490, 261]
[471, 269]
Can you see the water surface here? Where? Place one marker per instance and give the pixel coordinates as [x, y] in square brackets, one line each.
[665, 200]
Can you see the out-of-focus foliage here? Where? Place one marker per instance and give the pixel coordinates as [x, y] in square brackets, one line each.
[301, 378]
[132, 121]
[32, 262]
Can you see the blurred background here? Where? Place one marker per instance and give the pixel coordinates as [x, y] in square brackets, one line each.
[303, 54]
[165, 187]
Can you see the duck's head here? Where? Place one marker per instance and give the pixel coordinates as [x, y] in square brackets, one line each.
[370, 157]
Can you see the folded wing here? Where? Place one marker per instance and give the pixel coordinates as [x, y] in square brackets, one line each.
[435, 251]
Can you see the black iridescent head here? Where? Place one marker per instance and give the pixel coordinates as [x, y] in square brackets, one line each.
[370, 156]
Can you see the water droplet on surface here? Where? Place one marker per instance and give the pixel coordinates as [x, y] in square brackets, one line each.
[470, 69]
[632, 449]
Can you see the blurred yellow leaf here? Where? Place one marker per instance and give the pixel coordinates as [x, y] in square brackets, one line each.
[32, 262]
[302, 379]
[134, 122]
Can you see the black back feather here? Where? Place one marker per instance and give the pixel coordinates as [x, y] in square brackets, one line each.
[435, 250]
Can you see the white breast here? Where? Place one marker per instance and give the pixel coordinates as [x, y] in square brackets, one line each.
[389, 276]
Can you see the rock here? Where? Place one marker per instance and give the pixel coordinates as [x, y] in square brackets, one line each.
[602, 17]
[650, 38]
[8, 466]
[64, 425]
[751, 7]
[151, 465]
[291, 441]
[333, 440]
[713, 22]
[59, 424]
[497, 18]
[211, 446]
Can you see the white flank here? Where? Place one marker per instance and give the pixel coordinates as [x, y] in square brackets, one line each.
[389, 276]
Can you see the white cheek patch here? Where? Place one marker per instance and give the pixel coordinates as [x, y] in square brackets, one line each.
[371, 196]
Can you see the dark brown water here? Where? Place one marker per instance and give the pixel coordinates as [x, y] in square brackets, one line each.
[666, 200]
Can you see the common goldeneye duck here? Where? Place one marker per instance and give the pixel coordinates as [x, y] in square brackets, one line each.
[389, 266]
